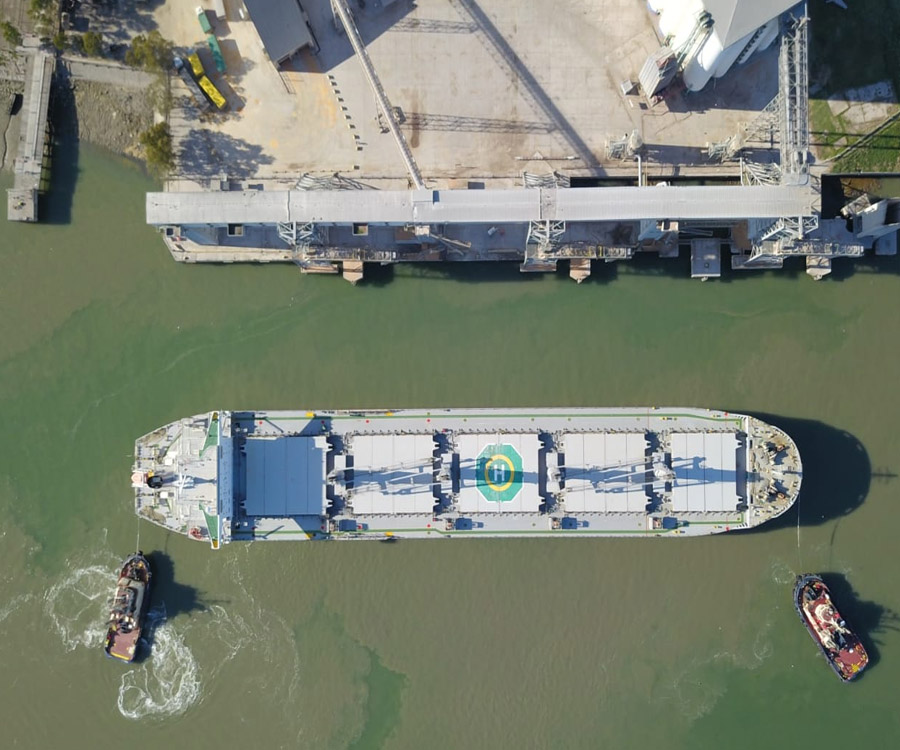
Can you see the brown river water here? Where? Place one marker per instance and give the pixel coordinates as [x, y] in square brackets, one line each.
[618, 643]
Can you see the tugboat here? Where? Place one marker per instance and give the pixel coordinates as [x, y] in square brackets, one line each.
[840, 645]
[129, 606]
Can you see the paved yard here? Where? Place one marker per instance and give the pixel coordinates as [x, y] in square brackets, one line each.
[485, 89]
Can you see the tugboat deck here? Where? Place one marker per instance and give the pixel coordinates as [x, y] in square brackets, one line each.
[128, 608]
[837, 642]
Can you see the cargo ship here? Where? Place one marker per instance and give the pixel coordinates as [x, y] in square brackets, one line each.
[838, 643]
[128, 608]
[225, 476]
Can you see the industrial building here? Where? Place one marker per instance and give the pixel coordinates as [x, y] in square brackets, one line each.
[282, 27]
[707, 37]
[770, 211]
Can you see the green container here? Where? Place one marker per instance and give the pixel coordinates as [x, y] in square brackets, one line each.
[216, 52]
[204, 20]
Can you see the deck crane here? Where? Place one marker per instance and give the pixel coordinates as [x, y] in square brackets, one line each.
[410, 472]
[619, 471]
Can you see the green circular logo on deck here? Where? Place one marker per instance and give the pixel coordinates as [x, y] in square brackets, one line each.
[498, 472]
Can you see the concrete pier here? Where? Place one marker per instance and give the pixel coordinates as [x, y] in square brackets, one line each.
[22, 198]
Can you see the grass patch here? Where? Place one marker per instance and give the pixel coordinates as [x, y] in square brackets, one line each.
[827, 132]
[850, 49]
[880, 154]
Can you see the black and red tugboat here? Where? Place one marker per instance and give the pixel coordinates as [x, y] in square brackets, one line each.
[128, 608]
[840, 645]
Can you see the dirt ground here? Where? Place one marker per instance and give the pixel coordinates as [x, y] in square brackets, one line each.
[105, 115]
[110, 116]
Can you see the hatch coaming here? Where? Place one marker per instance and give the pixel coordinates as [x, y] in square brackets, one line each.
[525, 477]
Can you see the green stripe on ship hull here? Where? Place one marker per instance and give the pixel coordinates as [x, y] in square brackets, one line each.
[589, 415]
[455, 532]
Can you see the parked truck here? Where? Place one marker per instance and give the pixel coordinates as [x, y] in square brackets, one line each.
[197, 93]
[198, 75]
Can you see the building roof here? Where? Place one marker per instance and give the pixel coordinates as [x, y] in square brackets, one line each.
[737, 18]
[478, 206]
[285, 476]
[281, 27]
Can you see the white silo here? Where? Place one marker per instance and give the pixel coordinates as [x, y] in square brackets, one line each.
[678, 19]
[770, 34]
[698, 69]
[700, 53]
[731, 55]
[710, 36]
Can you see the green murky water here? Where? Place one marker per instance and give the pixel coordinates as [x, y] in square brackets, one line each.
[482, 644]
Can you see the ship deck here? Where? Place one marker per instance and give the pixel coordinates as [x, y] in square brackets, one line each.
[826, 625]
[468, 473]
[184, 449]
[124, 645]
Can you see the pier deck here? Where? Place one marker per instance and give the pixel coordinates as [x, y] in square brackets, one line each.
[401, 207]
[22, 198]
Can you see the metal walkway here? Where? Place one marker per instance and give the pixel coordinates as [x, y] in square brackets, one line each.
[22, 198]
[793, 72]
[434, 207]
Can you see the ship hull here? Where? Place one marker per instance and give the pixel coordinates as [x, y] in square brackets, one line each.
[464, 473]
[839, 645]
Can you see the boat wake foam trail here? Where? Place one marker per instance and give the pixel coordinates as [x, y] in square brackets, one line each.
[171, 680]
[13, 605]
[76, 606]
[167, 683]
